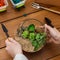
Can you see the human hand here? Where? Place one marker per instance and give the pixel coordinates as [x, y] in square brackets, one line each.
[13, 47]
[54, 33]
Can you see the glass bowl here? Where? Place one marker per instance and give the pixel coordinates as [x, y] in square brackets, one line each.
[27, 45]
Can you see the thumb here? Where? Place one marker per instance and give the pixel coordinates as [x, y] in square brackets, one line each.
[49, 28]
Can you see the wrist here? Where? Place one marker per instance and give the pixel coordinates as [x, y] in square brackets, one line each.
[20, 52]
[20, 57]
[17, 52]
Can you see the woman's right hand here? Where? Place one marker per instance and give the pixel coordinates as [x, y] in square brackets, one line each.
[54, 33]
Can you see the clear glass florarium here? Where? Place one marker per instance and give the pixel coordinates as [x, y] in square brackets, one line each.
[31, 35]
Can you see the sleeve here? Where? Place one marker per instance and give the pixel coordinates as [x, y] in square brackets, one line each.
[20, 57]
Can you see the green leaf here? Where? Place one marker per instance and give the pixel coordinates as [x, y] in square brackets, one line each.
[38, 36]
[31, 28]
[32, 36]
[25, 34]
[34, 43]
[37, 47]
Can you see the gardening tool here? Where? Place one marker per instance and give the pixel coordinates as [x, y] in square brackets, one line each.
[37, 6]
[6, 32]
[49, 22]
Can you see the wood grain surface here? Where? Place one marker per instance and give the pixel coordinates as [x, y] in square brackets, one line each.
[48, 51]
[53, 2]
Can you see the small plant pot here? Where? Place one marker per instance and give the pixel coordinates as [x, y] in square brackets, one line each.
[18, 5]
[4, 8]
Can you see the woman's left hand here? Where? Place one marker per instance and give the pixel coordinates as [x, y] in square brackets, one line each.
[13, 47]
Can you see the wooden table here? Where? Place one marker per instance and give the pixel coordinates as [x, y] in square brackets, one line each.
[11, 19]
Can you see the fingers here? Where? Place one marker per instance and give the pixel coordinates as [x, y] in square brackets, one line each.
[53, 41]
[12, 40]
[56, 42]
[7, 42]
[6, 48]
[54, 34]
[48, 27]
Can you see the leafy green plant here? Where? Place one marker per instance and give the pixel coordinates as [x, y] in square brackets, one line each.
[37, 39]
[25, 34]
[31, 28]
[32, 36]
[34, 43]
[38, 36]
